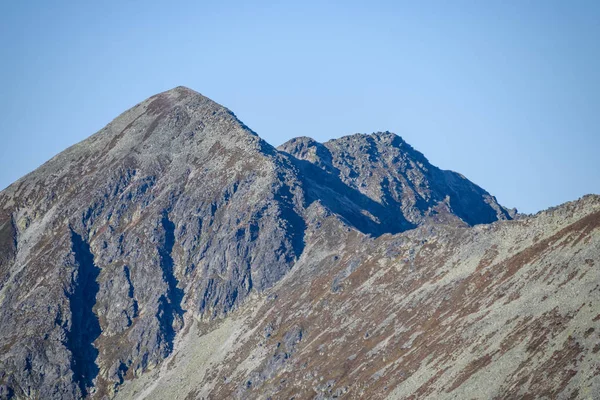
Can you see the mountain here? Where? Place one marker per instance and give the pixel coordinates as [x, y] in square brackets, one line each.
[390, 172]
[175, 253]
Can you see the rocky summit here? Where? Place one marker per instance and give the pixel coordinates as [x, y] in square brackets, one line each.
[175, 254]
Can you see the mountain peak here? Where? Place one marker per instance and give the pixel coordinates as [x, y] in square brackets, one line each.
[180, 96]
[387, 170]
[176, 119]
[181, 88]
[169, 128]
[182, 91]
[177, 207]
[379, 135]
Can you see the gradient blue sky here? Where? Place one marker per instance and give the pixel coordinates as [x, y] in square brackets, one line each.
[505, 92]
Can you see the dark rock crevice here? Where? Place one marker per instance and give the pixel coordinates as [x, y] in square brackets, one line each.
[296, 224]
[170, 313]
[131, 292]
[8, 246]
[85, 326]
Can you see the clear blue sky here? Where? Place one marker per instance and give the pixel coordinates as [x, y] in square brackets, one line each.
[505, 92]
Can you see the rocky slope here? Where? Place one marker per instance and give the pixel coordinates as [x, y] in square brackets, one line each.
[502, 311]
[175, 253]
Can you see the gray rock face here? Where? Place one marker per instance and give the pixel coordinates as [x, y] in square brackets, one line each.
[177, 211]
[175, 206]
[387, 170]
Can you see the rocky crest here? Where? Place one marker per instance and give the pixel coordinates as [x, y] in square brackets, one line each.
[387, 170]
[177, 243]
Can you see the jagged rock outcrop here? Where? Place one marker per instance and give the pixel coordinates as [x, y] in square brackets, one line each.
[389, 171]
[118, 252]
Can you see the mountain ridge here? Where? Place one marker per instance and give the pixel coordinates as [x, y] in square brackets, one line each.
[177, 214]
